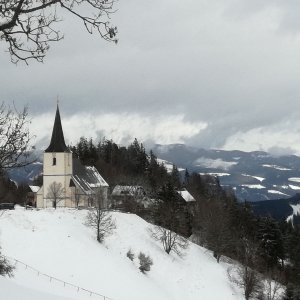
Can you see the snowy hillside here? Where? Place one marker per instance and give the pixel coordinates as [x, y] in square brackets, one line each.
[56, 243]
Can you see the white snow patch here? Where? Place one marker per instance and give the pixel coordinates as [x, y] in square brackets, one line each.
[294, 179]
[215, 163]
[254, 186]
[296, 212]
[296, 209]
[276, 192]
[168, 165]
[277, 167]
[259, 178]
[286, 187]
[256, 177]
[216, 174]
[294, 187]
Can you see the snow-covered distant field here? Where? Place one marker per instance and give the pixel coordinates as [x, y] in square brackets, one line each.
[216, 174]
[168, 165]
[277, 167]
[253, 186]
[58, 244]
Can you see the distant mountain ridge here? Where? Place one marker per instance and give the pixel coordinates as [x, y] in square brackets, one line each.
[254, 176]
[281, 209]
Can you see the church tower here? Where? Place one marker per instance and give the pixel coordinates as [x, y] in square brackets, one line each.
[75, 185]
[57, 168]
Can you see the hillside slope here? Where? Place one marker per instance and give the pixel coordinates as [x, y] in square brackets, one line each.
[281, 209]
[58, 244]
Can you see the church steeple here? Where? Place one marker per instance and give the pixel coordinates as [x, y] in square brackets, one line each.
[57, 143]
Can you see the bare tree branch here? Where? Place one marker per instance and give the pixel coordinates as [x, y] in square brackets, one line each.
[28, 26]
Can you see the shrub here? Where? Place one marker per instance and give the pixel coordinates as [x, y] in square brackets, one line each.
[145, 262]
[5, 267]
[130, 255]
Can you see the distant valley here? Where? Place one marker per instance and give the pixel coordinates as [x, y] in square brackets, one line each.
[254, 176]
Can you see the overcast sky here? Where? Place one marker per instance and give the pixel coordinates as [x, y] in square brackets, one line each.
[209, 73]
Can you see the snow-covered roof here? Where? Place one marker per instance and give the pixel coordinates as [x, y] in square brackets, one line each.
[34, 188]
[186, 196]
[87, 177]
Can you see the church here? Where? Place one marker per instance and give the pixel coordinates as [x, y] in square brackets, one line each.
[66, 182]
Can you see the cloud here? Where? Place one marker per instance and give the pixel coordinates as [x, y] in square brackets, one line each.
[215, 163]
[282, 138]
[121, 128]
[228, 67]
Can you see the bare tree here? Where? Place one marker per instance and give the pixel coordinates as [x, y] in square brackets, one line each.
[56, 193]
[244, 275]
[247, 279]
[212, 227]
[14, 138]
[100, 219]
[28, 26]
[273, 290]
[170, 240]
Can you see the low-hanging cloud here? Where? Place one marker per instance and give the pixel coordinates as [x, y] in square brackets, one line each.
[282, 138]
[121, 128]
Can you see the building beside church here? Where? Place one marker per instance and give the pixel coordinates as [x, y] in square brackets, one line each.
[66, 182]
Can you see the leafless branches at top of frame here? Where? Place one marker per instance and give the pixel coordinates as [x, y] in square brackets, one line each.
[29, 26]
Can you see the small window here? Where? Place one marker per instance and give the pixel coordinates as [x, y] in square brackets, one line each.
[54, 161]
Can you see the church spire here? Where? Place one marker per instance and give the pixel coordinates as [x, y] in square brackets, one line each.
[57, 143]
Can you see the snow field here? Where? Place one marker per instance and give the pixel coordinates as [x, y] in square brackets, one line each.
[58, 243]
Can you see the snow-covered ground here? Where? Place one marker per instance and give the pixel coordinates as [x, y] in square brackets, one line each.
[296, 212]
[59, 245]
[261, 179]
[277, 167]
[276, 192]
[168, 165]
[294, 179]
[253, 186]
[294, 187]
[216, 174]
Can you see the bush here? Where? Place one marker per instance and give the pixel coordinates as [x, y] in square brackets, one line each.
[145, 262]
[130, 255]
[5, 267]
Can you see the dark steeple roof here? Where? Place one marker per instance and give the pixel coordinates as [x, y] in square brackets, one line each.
[57, 143]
